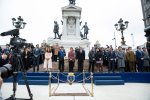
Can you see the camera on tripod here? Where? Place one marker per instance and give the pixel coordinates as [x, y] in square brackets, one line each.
[15, 40]
[17, 63]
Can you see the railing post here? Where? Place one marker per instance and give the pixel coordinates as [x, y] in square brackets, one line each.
[83, 77]
[58, 76]
[50, 76]
[92, 86]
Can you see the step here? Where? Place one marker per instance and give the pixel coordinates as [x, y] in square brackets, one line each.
[109, 82]
[38, 74]
[107, 78]
[37, 77]
[34, 82]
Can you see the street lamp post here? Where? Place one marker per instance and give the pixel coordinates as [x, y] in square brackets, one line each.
[115, 40]
[19, 23]
[132, 40]
[122, 27]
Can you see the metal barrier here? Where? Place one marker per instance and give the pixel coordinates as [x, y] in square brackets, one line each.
[70, 79]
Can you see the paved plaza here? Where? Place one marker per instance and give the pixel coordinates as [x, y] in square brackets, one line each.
[129, 91]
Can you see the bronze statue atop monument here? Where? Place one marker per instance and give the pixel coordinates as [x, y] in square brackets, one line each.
[56, 30]
[72, 2]
[86, 30]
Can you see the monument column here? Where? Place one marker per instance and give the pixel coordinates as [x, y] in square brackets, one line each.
[64, 25]
[70, 37]
[77, 26]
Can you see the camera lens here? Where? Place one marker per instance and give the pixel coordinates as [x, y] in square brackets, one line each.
[6, 71]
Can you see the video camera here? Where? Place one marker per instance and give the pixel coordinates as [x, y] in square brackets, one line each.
[15, 40]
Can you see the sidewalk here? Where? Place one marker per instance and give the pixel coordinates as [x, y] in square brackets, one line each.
[129, 91]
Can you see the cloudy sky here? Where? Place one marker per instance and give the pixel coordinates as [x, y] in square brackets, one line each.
[101, 15]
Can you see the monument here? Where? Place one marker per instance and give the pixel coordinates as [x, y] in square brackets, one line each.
[70, 36]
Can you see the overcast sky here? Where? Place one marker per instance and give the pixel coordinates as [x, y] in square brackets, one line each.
[101, 15]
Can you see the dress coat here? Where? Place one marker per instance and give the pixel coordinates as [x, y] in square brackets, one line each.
[121, 59]
[48, 60]
[146, 59]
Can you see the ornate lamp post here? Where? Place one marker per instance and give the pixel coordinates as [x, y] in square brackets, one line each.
[132, 36]
[122, 27]
[115, 40]
[19, 23]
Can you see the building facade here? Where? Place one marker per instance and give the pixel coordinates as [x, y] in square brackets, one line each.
[146, 19]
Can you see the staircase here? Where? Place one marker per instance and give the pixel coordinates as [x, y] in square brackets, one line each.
[108, 80]
[35, 79]
[42, 78]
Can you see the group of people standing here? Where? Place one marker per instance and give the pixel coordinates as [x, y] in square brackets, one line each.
[100, 59]
[30, 56]
[58, 54]
[122, 60]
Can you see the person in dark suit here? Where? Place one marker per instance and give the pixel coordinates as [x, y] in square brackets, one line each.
[80, 57]
[99, 59]
[111, 60]
[139, 59]
[36, 57]
[61, 55]
[92, 57]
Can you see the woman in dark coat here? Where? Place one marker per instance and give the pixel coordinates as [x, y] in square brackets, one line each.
[146, 60]
[91, 59]
[26, 58]
[99, 60]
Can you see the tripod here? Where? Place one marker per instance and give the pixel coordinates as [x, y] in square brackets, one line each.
[19, 66]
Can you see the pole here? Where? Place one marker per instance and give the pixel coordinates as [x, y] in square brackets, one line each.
[58, 76]
[50, 76]
[115, 40]
[132, 40]
[83, 77]
[92, 86]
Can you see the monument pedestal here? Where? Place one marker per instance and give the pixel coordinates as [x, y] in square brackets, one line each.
[72, 42]
[71, 15]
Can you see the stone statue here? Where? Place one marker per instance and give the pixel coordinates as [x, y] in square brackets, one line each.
[72, 2]
[86, 29]
[56, 30]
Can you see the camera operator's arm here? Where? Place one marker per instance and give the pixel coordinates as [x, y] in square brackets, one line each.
[1, 82]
